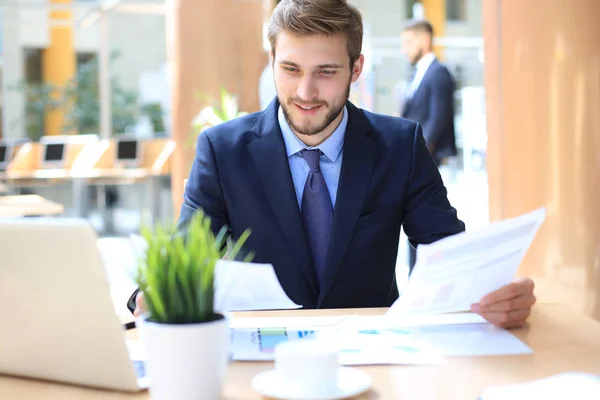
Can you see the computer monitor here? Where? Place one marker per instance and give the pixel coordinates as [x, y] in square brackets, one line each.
[128, 152]
[5, 155]
[53, 154]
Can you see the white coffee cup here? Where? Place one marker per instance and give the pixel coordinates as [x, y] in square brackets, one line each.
[307, 367]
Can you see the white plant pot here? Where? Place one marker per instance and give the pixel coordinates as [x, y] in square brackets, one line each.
[186, 362]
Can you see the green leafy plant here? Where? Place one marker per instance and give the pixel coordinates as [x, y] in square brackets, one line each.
[81, 100]
[38, 101]
[227, 109]
[177, 272]
[154, 111]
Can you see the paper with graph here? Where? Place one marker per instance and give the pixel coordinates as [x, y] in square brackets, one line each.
[457, 271]
[371, 341]
[355, 347]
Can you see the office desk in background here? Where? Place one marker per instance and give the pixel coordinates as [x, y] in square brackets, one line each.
[28, 206]
[562, 339]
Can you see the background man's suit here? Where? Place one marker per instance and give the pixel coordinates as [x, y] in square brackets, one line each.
[432, 106]
[241, 178]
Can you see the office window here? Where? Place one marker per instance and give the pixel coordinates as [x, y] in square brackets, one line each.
[456, 10]
[410, 4]
[33, 65]
[83, 58]
[37, 93]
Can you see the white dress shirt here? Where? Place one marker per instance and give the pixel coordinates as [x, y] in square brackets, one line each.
[422, 66]
[330, 162]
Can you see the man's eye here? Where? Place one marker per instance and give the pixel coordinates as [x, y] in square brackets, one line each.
[328, 72]
[290, 69]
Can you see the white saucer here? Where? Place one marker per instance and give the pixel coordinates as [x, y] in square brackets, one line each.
[351, 382]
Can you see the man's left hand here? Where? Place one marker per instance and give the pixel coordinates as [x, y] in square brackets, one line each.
[509, 306]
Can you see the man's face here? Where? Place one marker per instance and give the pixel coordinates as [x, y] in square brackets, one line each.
[313, 76]
[413, 45]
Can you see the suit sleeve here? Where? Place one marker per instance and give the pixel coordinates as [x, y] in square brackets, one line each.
[441, 108]
[428, 214]
[203, 189]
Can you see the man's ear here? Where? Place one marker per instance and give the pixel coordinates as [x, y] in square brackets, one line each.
[427, 41]
[357, 67]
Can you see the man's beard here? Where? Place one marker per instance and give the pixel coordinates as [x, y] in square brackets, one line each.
[307, 129]
[417, 57]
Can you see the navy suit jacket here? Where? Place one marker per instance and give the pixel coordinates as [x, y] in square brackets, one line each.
[432, 106]
[241, 179]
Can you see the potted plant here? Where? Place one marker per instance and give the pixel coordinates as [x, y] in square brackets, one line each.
[186, 341]
[213, 115]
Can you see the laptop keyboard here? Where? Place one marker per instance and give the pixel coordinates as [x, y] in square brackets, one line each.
[140, 368]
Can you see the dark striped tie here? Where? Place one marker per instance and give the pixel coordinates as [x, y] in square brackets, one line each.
[317, 211]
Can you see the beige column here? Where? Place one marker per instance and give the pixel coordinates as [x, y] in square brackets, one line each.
[211, 44]
[543, 96]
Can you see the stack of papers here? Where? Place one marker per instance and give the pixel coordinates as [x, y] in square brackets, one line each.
[428, 321]
[355, 347]
[371, 340]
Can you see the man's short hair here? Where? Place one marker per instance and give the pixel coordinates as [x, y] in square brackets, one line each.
[318, 17]
[421, 26]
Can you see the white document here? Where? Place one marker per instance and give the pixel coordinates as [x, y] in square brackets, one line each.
[462, 334]
[455, 272]
[247, 286]
[469, 340]
[365, 347]
[390, 322]
[379, 347]
[239, 286]
[373, 340]
[284, 322]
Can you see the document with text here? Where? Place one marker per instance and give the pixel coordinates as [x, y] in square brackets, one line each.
[455, 272]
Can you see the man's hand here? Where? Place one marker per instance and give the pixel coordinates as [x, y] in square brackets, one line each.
[140, 305]
[509, 306]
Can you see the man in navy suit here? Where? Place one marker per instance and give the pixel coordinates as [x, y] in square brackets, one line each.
[324, 186]
[429, 99]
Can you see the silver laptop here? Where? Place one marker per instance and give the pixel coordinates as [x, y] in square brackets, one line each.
[58, 321]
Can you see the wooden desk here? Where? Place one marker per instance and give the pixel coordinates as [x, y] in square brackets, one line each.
[28, 205]
[562, 340]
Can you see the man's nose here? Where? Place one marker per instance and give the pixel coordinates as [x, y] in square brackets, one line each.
[307, 89]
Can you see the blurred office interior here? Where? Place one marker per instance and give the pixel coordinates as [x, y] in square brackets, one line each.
[99, 72]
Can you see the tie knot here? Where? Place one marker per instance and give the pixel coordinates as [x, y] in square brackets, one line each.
[312, 159]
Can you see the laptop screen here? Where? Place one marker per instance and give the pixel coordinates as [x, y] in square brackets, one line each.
[3, 153]
[127, 150]
[54, 152]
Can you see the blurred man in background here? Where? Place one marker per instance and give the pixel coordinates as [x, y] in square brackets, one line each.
[429, 98]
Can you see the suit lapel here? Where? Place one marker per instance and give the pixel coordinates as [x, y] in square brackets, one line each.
[424, 80]
[355, 175]
[271, 162]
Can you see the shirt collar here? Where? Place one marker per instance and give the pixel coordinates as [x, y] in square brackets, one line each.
[425, 61]
[331, 147]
